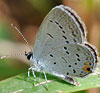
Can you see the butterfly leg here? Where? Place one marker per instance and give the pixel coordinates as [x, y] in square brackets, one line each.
[71, 80]
[45, 78]
[34, 69]
[29, 72]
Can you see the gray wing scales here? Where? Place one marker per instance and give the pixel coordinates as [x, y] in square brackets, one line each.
[58, 28]
[70, 60]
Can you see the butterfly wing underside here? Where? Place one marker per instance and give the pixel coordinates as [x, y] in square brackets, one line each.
[60, 45]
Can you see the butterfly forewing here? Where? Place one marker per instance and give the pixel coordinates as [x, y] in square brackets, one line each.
[58, 28]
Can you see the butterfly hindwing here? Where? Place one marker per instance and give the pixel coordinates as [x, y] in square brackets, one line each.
[70, 59]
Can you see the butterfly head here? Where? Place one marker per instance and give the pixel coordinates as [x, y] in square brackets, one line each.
[29, 55]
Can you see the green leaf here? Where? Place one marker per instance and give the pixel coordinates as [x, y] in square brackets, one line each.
[8, 68]
[20, 84]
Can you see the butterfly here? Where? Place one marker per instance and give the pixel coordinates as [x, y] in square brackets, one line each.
[61, 47]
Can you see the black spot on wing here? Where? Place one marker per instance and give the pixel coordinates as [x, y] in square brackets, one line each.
[67, 42]
[60, 27]
[51, 21]
[77, 55]
[49, 35]
[56, 22]
[74, 71]
[67, 73]
[89, 63]
[75, 63]
[65, 48]
[88, 69]
[69, 66]
[78, 59]
[63, 31]
[64, 37]
[54, 63]
[67, 52]
[51, 55]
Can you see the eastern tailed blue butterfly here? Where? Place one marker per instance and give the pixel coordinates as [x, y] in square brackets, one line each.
[61, 47]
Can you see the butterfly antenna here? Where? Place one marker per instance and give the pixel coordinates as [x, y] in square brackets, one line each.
[8, 56]
[21, 35]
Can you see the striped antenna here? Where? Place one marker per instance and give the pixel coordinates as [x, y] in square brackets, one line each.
[7, 56]
[21, 36]
[3, 57]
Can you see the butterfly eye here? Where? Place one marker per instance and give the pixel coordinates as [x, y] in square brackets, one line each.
[28, 55]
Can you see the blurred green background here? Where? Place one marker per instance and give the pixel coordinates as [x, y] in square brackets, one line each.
[27, 15]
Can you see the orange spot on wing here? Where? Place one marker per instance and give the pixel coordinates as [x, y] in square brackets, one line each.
[86, 63]
[86, 66]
